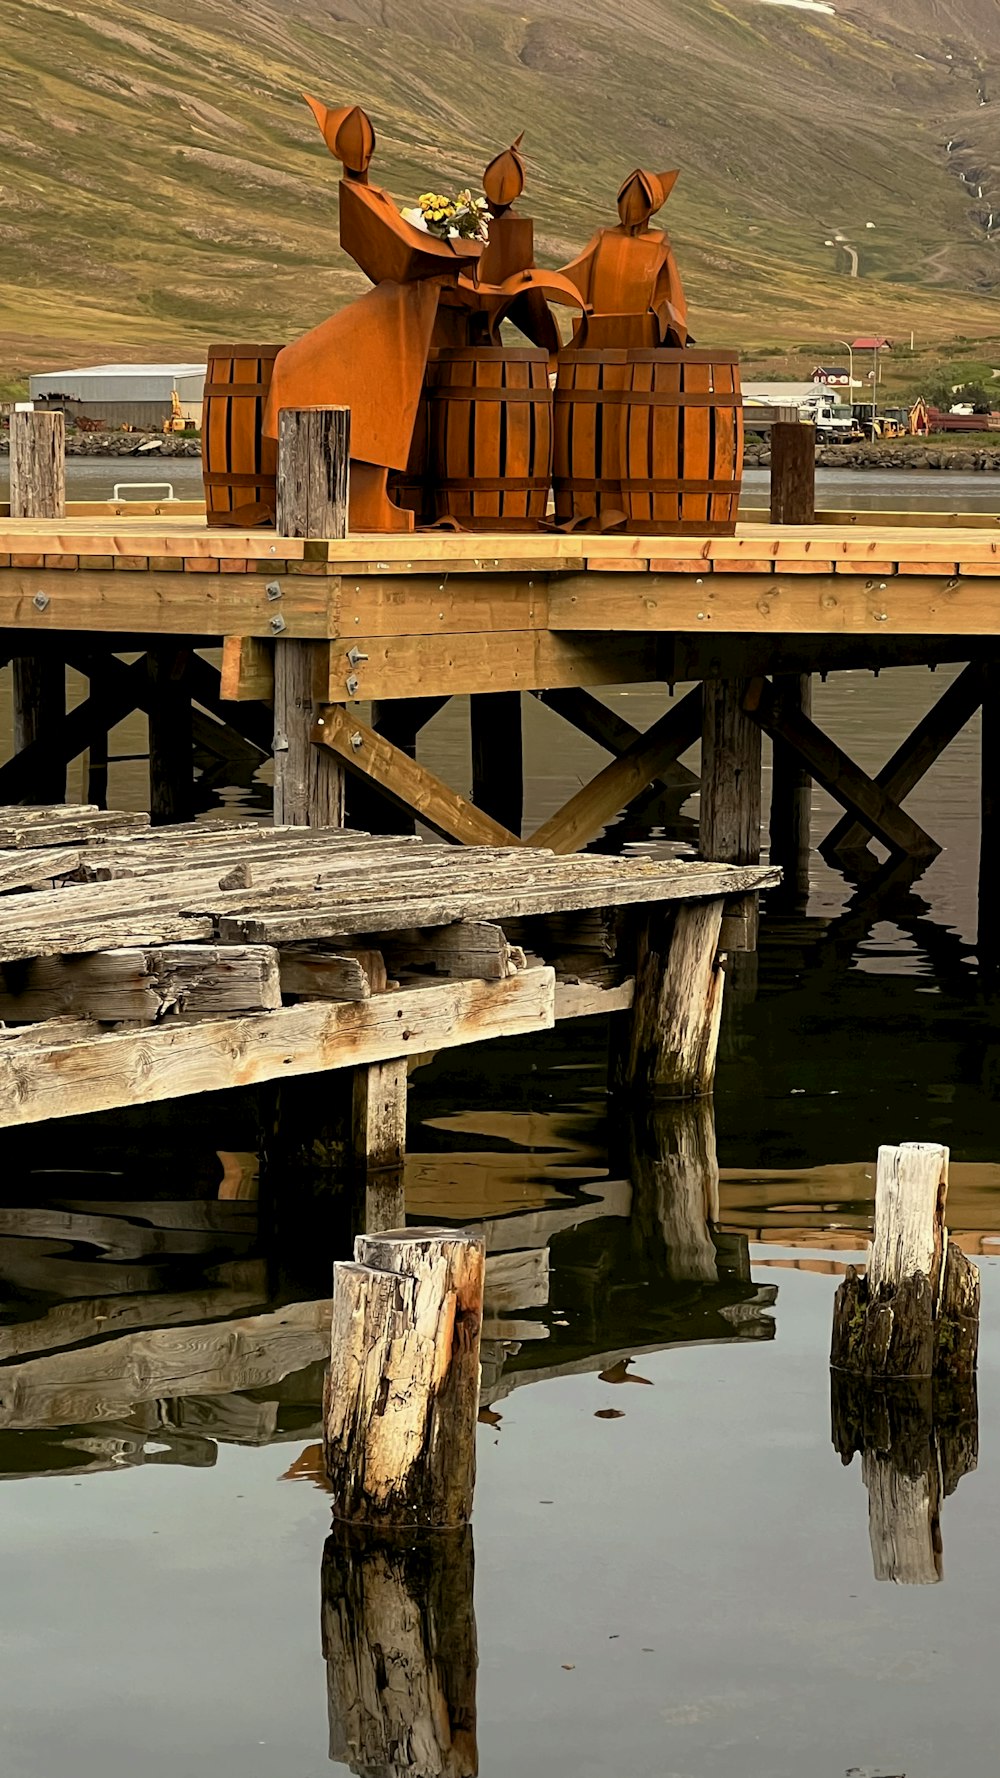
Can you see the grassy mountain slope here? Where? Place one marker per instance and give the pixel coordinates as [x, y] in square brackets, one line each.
[161, 182]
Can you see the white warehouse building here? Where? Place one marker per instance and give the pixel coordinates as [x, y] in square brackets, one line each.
[137, 395]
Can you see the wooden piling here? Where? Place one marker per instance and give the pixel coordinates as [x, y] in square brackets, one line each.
[171, 768]
[673, 1034]
[312, 495]
[916, 1313]
[378, 1133]
[403, 1394]
[791, 800]
[399, 1642]
[729, 819]
[793, 473]
[498, 756]
[38, 491]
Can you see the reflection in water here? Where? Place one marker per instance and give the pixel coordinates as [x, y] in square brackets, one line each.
[399, 1642]
[917, 1440]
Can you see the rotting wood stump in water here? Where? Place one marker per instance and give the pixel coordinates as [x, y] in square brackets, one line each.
[399, 1642]
[916, 1313]
[403, 1393]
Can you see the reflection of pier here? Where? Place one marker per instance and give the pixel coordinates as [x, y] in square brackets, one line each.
[148, 1331]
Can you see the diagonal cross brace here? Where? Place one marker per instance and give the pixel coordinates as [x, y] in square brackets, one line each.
[863, 798]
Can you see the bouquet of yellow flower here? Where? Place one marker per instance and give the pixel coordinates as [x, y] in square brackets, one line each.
[462, 217]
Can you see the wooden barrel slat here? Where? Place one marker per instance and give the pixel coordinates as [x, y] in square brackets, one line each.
[681, 425]
[586, 465]
[490, 437]
[239, 465]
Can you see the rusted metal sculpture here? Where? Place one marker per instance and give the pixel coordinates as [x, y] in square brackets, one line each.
[648, 433]
[449, 422]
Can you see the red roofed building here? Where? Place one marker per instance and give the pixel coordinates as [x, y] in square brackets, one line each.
[870, 343]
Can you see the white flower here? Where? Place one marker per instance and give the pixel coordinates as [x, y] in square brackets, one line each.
[416, 217]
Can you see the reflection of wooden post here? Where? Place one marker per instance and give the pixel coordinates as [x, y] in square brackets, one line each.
[675, 1188]
[399, 1642]
[917, 1439]
[403, 1396]
[38, 491]
[791, 801]
[313, 452]
[674, 1028]
[916, 1314]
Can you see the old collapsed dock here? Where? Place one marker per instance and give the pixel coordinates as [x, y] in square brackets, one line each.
[138, 965]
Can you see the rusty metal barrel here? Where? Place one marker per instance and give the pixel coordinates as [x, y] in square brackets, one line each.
[490, 438]
[239, 465]
[681, 442]
[586, 456]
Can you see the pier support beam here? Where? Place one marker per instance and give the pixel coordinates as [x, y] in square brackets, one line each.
[171, 765]
[673, 1032]
[729, 826]
[378, 1133]
[312, 493]
[791, 800]
[38, 491]
[498, 756]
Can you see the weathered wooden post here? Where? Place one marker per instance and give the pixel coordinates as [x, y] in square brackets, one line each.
[903, 1358]
[729, 817]
[403, 1395]
[916, 1313]
[171, 740]
[793, 473]
[498, 756]
[791, 800]
[670, 1045]
[378, 1140]
[312, 495]
[38, 491]
[399, 1642]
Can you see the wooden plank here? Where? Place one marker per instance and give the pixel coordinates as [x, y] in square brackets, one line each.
[485, 661]
[584, 816]
[410, 785]
[400, 604]
[838, 774]
[39, 827]
[210, 604]
[314, 974]
[787, 604]
[436, 905]
[468, 948]
[147, 985]
[247, 670]
[933, 733]
[171, 1061]
[584, 1000]
[378, 1117]
[19, 870]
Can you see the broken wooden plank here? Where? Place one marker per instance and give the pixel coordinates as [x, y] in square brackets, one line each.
[466, 948]
[311, 973]
[21, 869]
[172, 1060]
[20, 827]
[194, 980]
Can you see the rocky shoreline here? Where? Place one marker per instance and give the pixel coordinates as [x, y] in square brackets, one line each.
[966, 459]
[123, 444]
